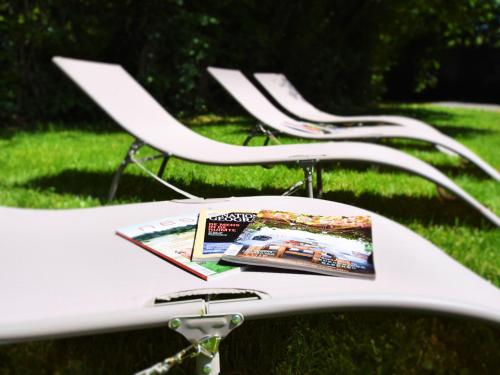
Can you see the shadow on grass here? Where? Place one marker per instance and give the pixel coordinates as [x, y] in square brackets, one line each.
[397, 109]
[464, 131]
[408, 144]
[463, 169]
[431, 117]
[213, 120]
[402, 208]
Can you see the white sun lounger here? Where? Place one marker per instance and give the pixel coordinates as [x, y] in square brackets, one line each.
[73, 276]
[262, 109]
[282, 90]
[112, 88]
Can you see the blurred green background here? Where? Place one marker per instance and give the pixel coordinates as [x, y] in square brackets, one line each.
[340, 54]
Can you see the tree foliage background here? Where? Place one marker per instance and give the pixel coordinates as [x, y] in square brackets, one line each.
[339, 53]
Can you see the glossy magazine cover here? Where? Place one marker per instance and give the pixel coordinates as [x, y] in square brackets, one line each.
[217, 230]
[332, 245]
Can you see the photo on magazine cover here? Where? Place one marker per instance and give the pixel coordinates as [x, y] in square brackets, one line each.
[333, 245]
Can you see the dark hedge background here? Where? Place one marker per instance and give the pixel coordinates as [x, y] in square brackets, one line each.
[340, 54]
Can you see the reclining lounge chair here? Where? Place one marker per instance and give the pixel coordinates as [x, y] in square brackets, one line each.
[73, 276]
[118, 94]
[263, 110]
[282, 90]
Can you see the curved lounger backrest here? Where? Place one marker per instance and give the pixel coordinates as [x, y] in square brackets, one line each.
[250, 98]
[131, 106]
[282, 90]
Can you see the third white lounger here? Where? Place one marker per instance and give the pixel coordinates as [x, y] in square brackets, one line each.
[262, 109]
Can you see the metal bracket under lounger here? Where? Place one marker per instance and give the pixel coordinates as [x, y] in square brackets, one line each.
[130, 158]
[205, 334]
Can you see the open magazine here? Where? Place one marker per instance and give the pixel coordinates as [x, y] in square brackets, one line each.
[172, 239]
[331, 245]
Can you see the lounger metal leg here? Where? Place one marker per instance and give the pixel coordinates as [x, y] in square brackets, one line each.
[308, 168]
[126, 160]
[308, 179]
[293, 188]
[259, 128]
[270, 135]
[205, 334]
[116, 180]
[252, 133]
[248, 138]
[163, 165]
[319, 181]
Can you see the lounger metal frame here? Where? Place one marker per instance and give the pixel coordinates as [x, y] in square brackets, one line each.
[130, 158]
[308, 166]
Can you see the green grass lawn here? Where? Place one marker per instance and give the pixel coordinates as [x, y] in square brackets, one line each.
[67, 166]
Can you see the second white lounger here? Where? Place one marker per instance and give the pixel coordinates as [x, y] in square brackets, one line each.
[111, 87]
[262, 109]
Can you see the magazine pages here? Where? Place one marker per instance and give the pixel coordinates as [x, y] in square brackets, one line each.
[308, 128]
[172, 239]
[216, 231]
[332, 245]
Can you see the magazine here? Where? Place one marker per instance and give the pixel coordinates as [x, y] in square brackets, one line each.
[172, 239]
[217, 230]
[331, 245]
[307, 128]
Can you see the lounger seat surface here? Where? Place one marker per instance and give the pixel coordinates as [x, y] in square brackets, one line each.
[67, 273]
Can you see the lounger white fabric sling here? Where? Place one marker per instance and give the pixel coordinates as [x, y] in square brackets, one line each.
[112, 88]
[72, 275]
[282, 90]
[262, 109]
